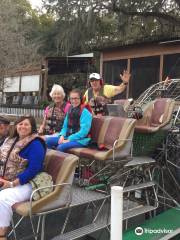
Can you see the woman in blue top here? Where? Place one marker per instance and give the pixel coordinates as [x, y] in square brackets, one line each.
[21, 159]
[76, 126]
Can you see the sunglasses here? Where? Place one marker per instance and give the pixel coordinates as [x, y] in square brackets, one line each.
[94, 80]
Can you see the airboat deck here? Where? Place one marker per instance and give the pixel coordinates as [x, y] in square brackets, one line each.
[167, 221]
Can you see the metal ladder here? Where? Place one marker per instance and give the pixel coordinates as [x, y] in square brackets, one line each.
[102, 219]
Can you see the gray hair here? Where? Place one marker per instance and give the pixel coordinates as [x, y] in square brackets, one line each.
[57, 88]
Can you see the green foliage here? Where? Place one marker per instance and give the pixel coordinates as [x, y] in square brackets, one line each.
[69, 81]
[17, 24]
[67, 27]
[81, 25]
[43, 104]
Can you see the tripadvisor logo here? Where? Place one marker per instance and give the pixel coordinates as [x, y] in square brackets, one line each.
[139, 231]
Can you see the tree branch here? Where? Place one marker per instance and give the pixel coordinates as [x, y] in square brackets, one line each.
[173, 19]
[177, 2]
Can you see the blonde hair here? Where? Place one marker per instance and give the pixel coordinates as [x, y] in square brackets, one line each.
[57, 88]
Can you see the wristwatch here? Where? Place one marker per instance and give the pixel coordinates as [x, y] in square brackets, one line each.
[11, 184]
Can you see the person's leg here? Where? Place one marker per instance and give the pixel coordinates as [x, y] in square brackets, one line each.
[66, 146]
[51, 141]
[8, 197]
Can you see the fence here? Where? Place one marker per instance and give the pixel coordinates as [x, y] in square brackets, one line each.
[17, 111]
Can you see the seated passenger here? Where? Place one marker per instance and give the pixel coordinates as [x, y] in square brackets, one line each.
[22, 157]
[55, 112]
[4, 129]
[76, 127]
[99, 94]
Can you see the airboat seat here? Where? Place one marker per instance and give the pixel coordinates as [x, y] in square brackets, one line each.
[27, 100]
[61, 166]
[118, 108]
[123, 102]
[17, 100]
[157, 116]
[109, 135]
[36, 100]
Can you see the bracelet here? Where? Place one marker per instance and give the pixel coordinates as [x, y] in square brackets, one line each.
[125, 83]
[11, 184]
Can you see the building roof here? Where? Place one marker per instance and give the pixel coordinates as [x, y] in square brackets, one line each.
[140, 41]
[90, 55]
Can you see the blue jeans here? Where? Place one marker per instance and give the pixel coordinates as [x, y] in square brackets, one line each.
[63, 147]
[51, 141]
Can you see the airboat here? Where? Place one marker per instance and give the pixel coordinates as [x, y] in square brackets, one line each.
[137, 148]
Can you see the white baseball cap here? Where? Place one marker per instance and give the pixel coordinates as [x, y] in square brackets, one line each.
[95, 76]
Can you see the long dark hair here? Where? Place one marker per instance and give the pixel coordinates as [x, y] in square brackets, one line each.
[32, 122]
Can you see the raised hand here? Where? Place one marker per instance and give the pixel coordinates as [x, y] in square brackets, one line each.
[167, 81]
[125, 76]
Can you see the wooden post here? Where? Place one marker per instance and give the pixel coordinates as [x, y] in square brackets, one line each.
[129, 69]
[161, 67]
[45, 80]
[101, 64]
[116, 212]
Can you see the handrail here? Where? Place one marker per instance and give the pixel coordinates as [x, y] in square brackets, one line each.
[117, 141]
[53, 185]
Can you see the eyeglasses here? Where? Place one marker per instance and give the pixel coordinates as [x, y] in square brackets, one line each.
[94, 80]
[74, 99]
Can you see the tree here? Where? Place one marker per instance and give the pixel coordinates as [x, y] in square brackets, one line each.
[16, 24]
[74, 31]
[154, 17]
[84, 23]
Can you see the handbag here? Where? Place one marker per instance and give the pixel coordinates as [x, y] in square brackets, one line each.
[42, 179]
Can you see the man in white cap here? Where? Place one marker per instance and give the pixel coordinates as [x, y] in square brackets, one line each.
[99, 94]
[4, 129]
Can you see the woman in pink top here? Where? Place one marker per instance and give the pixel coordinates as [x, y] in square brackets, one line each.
[55, 113]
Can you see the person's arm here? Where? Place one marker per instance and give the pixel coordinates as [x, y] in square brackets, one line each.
[85, 126]
[35, 154]
[16, 182]
[35, 164]
[43, 125]
[8, 184]
[85, 97]
[125, 80]
[167, 81]
[64, 128]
